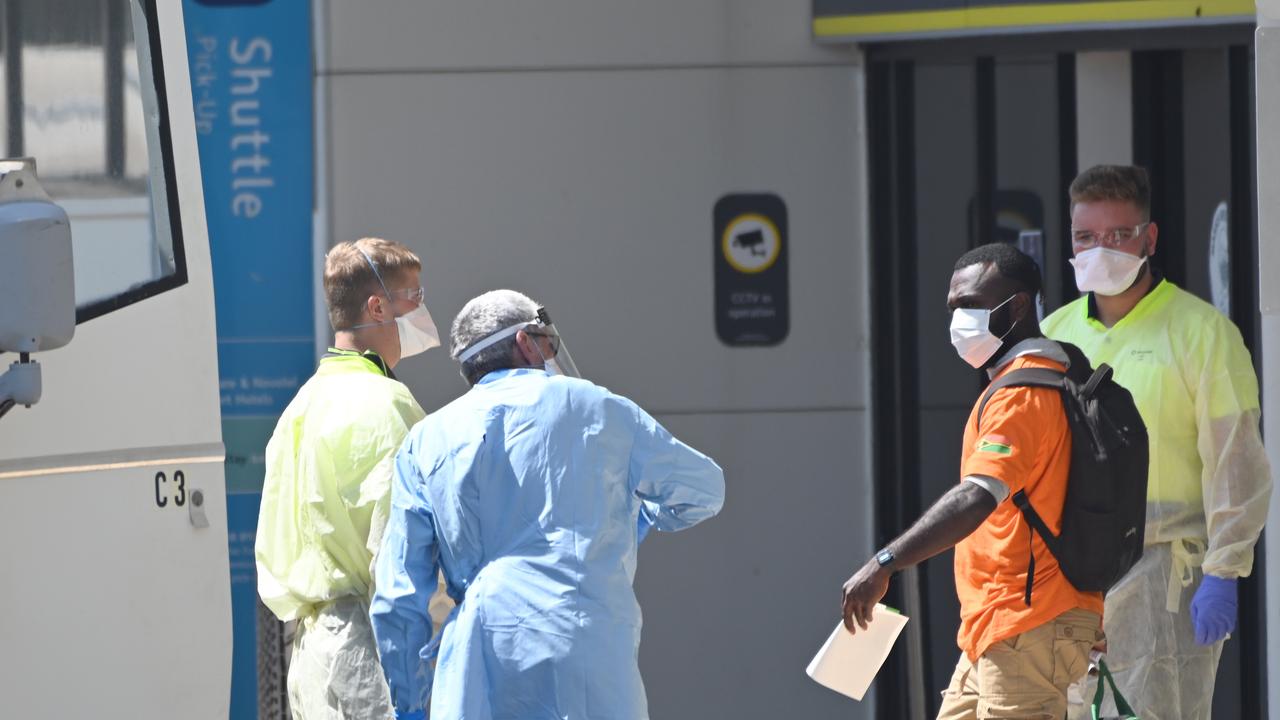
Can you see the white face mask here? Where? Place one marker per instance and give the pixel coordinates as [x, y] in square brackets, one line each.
[416, 329]
[972, 337]
[1105, 271]
[552, 367]
[417, 332]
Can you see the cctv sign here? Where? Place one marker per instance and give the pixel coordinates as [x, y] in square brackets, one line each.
[751, 297]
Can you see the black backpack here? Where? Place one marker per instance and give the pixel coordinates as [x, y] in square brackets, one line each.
[1105, 513]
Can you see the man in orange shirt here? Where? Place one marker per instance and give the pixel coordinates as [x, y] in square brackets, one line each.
[1017, 658]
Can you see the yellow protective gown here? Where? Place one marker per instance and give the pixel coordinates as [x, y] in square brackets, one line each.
[1208, 488]
[325, 503]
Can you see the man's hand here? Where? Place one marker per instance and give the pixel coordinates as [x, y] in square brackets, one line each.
[862, 592]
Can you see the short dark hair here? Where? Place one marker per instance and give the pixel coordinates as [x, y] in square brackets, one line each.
[1012, 264]
[1123, 183]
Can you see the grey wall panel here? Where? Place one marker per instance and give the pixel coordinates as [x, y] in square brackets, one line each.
[734, 609]
[593, 191]
[379, 35]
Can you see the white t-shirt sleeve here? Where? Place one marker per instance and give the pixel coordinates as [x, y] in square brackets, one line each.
[997, 488]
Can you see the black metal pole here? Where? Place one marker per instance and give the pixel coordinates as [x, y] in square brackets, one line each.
[1068, 168]
[984, 220]
[14, 103]
[115, 14]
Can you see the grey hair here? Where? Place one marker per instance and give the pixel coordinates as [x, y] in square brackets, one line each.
[483, 316]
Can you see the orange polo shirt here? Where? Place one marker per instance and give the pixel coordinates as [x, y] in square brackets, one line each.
[1024, 441]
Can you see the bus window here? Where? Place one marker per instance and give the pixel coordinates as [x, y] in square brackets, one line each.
[84, 98]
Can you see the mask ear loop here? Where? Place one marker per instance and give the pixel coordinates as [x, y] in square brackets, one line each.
[1146, 263]
[534, 342]
[377, 274]
[538, 347]
[386, 293]
[374, 268]
[1012, 325]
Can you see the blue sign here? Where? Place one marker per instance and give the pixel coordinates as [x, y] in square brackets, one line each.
[242, 519]
[251, 83]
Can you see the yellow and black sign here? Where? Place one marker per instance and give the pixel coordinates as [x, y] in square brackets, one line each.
[905, 19]
[750, 236]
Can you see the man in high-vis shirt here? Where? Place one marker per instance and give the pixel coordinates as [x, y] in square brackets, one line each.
[325, 500]
[1017, 660]
[1209, 482]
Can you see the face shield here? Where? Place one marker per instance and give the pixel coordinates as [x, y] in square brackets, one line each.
[555, 356]
[560, 362]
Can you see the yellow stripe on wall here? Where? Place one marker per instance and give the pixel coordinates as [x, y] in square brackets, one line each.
[1006, 16]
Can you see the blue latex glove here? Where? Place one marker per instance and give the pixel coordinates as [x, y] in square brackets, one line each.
[415, 715]
[1213, 609]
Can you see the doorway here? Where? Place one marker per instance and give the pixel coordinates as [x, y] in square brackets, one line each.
[974, 141]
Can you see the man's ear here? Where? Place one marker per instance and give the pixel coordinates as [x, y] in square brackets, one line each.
[1023, 306]
[376, 306]
[526, 350]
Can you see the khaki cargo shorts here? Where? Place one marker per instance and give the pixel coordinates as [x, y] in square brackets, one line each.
[1025, 676]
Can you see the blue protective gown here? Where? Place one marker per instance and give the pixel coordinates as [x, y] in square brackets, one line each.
[527, 491]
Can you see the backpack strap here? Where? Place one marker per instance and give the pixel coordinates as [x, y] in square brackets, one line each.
[1031, 556]
[1023, 377]
[1098, 377]
[1027, 377]
[1037, 525]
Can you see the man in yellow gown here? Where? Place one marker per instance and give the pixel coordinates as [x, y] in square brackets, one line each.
[326, 495]
[1209, 482]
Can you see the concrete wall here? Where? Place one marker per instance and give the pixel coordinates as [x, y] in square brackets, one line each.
[574, 150]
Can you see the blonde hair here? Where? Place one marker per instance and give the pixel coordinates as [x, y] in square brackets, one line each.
[349, 280]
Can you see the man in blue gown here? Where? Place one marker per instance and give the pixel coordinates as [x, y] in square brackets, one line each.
[531, 492]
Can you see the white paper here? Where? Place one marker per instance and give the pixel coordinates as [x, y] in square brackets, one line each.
[848, 663]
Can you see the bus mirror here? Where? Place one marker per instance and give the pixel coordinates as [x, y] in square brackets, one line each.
[37, 281]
